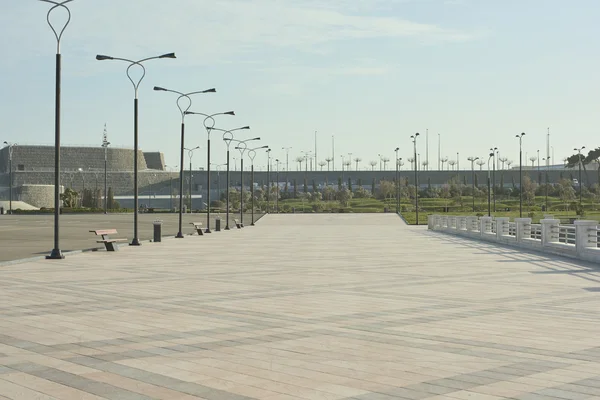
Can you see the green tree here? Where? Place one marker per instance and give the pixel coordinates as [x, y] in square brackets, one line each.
[529, 188]
[361, 193]
[305, 186]
[373, 187]
[69, 198]
[295, 189]
[386, 190]
[350, 184]
[566, 192]
[445, 194]
[344, 196]
[340, 183]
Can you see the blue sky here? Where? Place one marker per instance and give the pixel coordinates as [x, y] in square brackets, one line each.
[370, 72]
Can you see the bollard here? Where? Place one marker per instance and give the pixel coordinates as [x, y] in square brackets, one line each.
[157, 231]
[218, 224]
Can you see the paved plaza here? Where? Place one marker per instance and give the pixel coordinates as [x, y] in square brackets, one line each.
[303, 306]
[26, 236]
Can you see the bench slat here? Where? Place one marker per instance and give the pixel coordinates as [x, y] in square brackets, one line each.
[105, 232]
[111, 240]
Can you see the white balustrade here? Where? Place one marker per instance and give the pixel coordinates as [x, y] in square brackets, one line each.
[581, 240]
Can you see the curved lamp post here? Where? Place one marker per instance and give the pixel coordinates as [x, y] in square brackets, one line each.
[227, 138]
[209, 124]
[578, 150]
[252, 154]
[521, 174]
[190, 155]
[10, 177]
[56, 253]
[105, 144]
[473, 159]
[494, 153]
[183, 110]
[414, 140]
[242, 146]
[489, 186]
[136, 84]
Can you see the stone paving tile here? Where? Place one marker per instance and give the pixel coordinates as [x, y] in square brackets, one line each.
[302, 307]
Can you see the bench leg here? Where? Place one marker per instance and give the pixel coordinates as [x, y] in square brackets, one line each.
[200, 233]
[111, 246]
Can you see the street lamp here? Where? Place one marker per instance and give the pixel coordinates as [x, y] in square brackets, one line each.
[473, 159]
[252, 154]
[136, 84]
[489, 187]
[547, 160]
[521, 174]
[105, 144]
[494, 150]
[414, 140]
[56, 253]
[397, 184]
[242, 146]
[183, 110]
[10, 177]
[578, 150]
[190, 155]
[227, 138]
[277, 188]
[269, 180]
[209, 124]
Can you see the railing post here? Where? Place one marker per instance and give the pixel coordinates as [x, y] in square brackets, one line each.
[485, 225]
[550, 230]
[472, 224]
[502, 226]
[523, 228]
[584, 234]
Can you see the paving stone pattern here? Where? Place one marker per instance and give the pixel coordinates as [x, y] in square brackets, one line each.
[302, 307]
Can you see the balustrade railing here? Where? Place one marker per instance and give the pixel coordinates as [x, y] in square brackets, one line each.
[580, 240]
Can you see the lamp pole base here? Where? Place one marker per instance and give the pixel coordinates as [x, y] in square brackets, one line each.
[55, 255]
[179, 235]
[135, 242]
[207, 230]
[227, 228]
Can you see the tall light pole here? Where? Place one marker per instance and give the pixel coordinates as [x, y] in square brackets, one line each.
[242, 147]
[136, 84]
[473, 159]
[287, 161]
[183, 110]
[521, 174]
[10, 177]
[440, 151]
[105, 144]
[268, 180]
[397, 184]
[190, 155]
[489, 187]
[494, 151]
[277, 186]
[414, 140]
[227, 138]
[547, 160]
[578, 150]
[251, 155]
[209, 124]
[56, 253]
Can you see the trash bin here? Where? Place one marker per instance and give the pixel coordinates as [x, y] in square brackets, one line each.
[157, 231]
[218, 224]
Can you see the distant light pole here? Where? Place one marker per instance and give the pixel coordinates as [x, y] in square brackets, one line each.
[287, 161]
[578, 150]
[105, 144]
[268, 180]
[277, 188]
[251, 155]
[183, 110]
[56, 253]
[547, 160]
[10, 177]
[489, 187]
[242, 147]
[227, 138]
[136, 83]
[494, 151]
[190, 155]
[209, 124]
[521, 174]
[414, 140]
[473, 159]
[397, 184]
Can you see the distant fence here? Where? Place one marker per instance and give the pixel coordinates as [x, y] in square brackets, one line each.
[580, 240]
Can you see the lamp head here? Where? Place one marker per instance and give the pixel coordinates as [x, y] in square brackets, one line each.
[264, 147]
[5, 142]
[397, 148]
[101, 57]
[229, 113]
[158, 88]
[168, 55]
[213, 90]
[256, 138]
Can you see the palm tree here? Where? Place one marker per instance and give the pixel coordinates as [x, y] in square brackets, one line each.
[503, 160]
[322, 164]
[385, 161]
[299, 160]
[328, 159]
[357, 160]
[372, 164]
[451, 163]
[443, 160]
[411, 160]
[533, 159]
[594, 155]
[481, 163]
[509, 163]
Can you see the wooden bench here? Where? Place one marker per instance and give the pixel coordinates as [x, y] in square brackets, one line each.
[197, 227]
[108, 242]
[238, 224]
